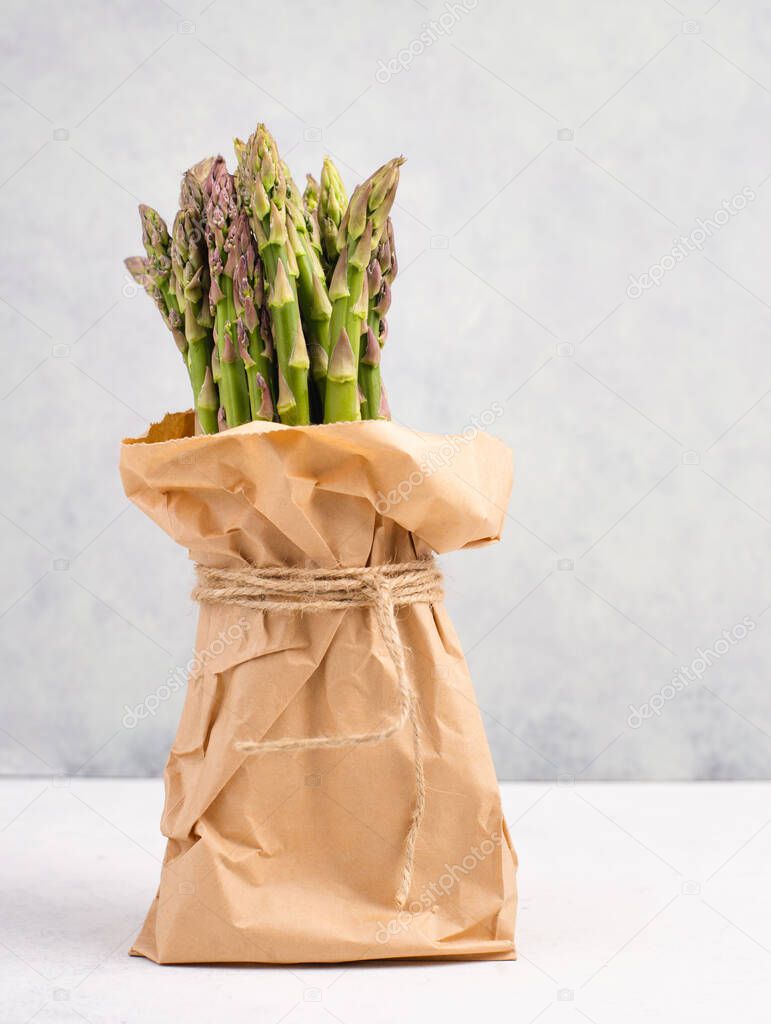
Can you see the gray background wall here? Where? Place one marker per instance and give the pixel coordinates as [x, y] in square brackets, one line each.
[555, 149]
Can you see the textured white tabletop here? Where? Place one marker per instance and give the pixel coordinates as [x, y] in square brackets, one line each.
[639, 902]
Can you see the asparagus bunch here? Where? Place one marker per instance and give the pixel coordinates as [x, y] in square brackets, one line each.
[276, 299]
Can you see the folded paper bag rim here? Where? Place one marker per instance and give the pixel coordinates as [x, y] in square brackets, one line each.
[372, 460]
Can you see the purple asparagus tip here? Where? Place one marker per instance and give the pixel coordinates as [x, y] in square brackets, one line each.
[371, 355]
[243, 344]
[228, 349]
[384, 413]
[384, 301]
[266, 405]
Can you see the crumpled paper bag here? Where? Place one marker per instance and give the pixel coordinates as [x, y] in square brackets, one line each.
[294, 857]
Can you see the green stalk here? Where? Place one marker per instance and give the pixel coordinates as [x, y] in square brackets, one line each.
[199, 365]
[208, 403]
[237, 408]
[293, 361]
[369, 373]
[342, 395]
[259, 368]
[223, 380]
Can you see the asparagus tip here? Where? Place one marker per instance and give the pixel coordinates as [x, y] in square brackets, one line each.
[265, 411]
[384, 412]
[298, 359]
[371, 355]
[207, 396]
[342, 365]
[281, 292]
[286, 401]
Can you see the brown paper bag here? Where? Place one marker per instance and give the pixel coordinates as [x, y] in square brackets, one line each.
[292, 857]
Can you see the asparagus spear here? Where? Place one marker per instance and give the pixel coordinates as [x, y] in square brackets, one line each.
[262, 189]
[311, 211]
[380, 275]
[208, 403]
[315, 307]
[266, 409]
[140, 269]
[221, 235]
[332, 203]
[155, 272]
[189, 262]
[255, 344]
[361, 230]
[311, 194]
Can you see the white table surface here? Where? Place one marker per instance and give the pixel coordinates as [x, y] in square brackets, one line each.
[639, 902]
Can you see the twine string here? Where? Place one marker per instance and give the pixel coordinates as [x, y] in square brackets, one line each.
[384, 588]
